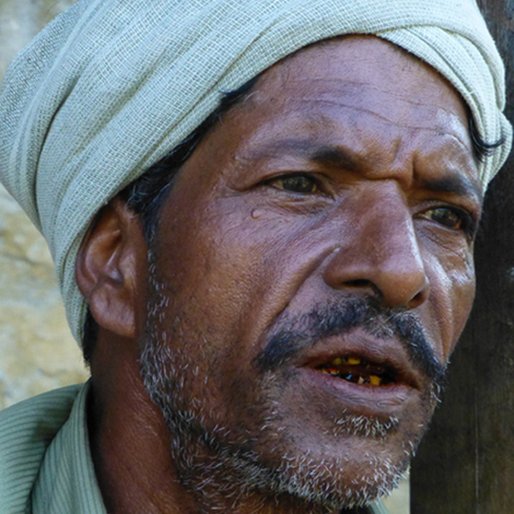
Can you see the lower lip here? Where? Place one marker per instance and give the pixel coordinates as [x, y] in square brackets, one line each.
[380, 401]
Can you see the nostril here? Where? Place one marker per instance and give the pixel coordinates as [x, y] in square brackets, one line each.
[420, 296]
[359, 283]
[392, 293]
[364, 286]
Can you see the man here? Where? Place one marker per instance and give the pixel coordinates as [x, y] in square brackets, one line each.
[268, 287]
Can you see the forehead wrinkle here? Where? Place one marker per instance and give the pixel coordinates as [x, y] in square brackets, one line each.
[359, 109]
[330, 134]
[336, 155]
[324, 119]
[358, 86]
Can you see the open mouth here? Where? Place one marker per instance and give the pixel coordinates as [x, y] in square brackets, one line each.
[358, 371]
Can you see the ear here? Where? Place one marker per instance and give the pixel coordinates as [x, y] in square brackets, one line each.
[107, 268]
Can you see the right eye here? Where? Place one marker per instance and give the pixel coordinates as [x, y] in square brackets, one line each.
[300, 183]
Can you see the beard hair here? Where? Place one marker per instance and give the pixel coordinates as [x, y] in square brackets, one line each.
[219, 466]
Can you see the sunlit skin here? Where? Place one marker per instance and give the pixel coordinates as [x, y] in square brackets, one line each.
[348, 172]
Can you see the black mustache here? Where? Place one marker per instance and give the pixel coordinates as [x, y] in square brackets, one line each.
[291, 335]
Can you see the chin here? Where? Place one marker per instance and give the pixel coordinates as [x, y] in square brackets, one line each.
[321, 458]
[307, 477]
[349, 466]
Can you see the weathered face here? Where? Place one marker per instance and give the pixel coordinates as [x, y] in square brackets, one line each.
[311, 275]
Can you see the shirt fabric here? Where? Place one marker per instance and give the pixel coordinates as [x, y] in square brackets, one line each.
[45, 459]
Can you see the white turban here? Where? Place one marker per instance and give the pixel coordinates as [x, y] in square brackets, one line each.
[110, 86]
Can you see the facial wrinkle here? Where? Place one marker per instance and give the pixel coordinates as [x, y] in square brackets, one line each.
[221, 468]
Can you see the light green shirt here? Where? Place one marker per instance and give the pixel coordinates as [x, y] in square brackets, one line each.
[45, 459]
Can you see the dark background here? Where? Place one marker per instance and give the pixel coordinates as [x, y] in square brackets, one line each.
[466, 462]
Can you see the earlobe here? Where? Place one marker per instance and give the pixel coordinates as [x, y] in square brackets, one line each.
[106, 269]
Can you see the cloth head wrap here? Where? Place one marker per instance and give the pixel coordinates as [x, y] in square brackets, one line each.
[110, 86]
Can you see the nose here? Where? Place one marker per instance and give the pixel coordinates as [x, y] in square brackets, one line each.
[380, 255]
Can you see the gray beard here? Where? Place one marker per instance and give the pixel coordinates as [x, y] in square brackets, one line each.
[220, 468]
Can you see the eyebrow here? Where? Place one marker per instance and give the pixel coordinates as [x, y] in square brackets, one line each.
[457, 184]
[340, 157]
[335, 156]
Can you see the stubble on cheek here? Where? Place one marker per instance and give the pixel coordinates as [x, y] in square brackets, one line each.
[261, 437]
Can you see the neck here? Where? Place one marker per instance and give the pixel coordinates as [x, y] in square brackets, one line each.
[130, 448]
[128, 436]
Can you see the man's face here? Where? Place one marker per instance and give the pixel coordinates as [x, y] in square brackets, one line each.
[310, 276]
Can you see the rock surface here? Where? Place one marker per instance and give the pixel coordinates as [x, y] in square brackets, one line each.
[37, 351]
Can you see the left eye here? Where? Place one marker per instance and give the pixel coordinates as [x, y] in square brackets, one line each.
[298, 183]
[449, 217]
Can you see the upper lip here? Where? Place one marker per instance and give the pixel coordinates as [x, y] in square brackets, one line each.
[388, 353]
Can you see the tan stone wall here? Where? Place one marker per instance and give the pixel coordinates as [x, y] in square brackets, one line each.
[36, 347]
[37, 351]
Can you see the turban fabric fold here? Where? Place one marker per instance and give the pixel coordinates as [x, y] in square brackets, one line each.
[111, 86]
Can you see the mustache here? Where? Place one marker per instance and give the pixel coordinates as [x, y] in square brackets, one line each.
[292, 335]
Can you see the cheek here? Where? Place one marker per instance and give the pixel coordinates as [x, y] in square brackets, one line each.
[233, 269]
[231, 252]
[463, 282]
[452, 291]
[217, 268]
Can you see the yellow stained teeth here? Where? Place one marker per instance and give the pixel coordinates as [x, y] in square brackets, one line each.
[337, 361]
[375, 380]
[330, 371]
[353, 361]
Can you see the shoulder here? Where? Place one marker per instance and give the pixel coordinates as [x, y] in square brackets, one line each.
[26, 430]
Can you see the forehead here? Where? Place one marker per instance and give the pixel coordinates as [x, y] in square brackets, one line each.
[382, 107]
[363, 68]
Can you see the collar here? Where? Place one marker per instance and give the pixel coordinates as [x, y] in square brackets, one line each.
[67, 481]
